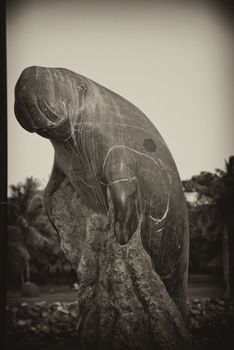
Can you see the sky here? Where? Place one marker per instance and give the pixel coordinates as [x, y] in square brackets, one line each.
[173, 60]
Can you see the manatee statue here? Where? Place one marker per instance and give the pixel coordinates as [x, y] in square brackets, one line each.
[108, 151]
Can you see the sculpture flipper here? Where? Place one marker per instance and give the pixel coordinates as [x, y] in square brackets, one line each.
[124, 192]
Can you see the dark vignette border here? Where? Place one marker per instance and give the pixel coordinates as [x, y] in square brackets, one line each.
[3, 170]
[226, 7]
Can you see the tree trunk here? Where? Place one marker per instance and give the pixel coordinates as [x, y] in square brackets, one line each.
[22, 277]
[122, 302]
[230, 230]
[226, 262]
[27, 270]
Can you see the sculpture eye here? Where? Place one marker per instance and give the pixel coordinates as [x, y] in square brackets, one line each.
[82, 86]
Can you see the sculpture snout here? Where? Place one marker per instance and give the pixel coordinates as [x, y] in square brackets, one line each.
[37, 105]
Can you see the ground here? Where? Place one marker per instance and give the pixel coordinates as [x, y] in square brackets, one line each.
[48, 322]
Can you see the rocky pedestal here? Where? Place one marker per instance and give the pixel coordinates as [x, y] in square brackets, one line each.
[122, 302]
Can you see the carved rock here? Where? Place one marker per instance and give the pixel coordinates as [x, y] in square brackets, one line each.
[116, 200]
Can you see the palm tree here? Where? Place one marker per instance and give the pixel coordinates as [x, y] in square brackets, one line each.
[31, 237]
[223, 192]
[17, 254]
[219, 187]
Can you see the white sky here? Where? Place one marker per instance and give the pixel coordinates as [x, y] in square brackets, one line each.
[172, 61]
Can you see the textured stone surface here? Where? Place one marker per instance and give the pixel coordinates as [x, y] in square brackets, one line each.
[116, 200]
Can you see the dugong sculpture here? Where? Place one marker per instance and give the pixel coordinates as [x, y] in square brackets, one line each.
[108, 151]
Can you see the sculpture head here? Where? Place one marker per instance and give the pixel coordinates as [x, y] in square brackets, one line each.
[44, 102]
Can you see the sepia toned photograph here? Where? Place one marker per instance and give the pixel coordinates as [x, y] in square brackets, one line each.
[120, 214]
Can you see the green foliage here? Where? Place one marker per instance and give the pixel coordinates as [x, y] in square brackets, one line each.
[207, 222]
[205, 237]
[31, 238]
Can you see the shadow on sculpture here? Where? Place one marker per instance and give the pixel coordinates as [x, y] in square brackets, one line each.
[116, 201]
